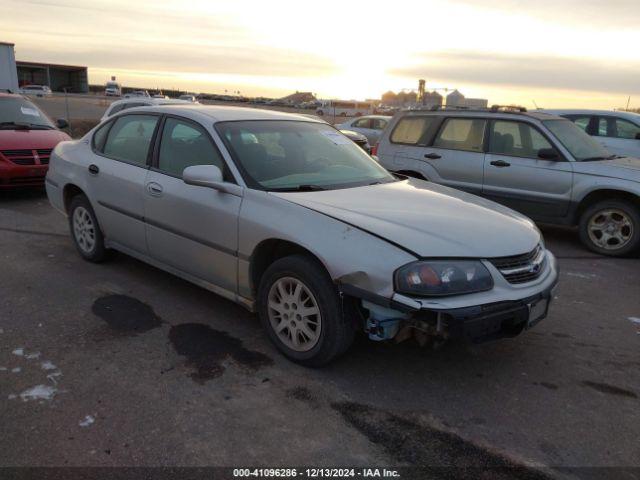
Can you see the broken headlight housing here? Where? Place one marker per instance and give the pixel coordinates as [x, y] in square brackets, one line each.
[443, 277]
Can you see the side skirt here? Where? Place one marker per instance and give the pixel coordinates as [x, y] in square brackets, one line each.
[223, 292]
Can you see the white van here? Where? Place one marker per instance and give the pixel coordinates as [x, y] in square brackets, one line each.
[112, 89]
[340, 108]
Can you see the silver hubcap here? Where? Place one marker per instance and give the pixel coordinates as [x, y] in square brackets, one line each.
[294, 314]
[610, 229]
[84, 230]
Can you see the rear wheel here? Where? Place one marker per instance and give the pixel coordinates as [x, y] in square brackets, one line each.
[301, 311]
[611, 227]
[85, 230]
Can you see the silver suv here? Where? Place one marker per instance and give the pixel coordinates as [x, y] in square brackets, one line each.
[539, 164]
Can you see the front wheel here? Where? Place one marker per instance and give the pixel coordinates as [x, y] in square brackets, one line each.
[301, 311]
[611, 227]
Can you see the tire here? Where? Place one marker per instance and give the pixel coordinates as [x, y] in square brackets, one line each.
[611, 227]
[85, 230]
[334, 322]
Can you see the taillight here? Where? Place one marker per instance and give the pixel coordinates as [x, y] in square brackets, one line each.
[374, 150]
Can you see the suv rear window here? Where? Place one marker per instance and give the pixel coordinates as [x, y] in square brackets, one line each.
[461, 134]
[410, 130]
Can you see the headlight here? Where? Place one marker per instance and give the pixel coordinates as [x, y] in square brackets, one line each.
[443, 277]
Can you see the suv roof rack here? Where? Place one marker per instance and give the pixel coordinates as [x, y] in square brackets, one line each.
[492, 109]
[508, 108]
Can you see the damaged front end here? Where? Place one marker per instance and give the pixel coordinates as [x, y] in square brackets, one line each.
[387, 319]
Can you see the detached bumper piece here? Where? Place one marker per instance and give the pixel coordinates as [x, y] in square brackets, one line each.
[497, 320]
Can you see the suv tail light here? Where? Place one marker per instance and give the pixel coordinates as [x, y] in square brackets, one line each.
[374, 150]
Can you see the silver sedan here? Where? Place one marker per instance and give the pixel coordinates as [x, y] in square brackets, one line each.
[286, 216]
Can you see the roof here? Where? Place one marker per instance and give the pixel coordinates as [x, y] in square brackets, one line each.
[20, 63]
[477, 112]
[9, 44]
[577, 111]
[219, 113]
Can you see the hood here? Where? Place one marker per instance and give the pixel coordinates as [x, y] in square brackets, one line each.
[31, 139]
[626, 168]
[427, 219]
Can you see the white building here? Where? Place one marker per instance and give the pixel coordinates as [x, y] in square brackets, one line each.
[8, 69]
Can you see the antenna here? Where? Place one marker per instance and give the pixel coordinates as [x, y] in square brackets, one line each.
[535, 104]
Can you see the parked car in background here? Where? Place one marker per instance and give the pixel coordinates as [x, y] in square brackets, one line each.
[371, 126]
[342, 108]
[358, 139]
[617, 131]
[160, 95]
[112, 89]
[188, 98]
[36, 90]
[537, 163]
[126, 103]
[286, 216]
[27, 137]
[137, 93]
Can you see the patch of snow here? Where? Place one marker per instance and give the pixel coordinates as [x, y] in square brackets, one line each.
[3, 369]
[33, 355]
[16, 370]
[39, 392]
[88, 420]
[12, 396]
[635, 320]
[19, 352]
[52, 377]
[1, 330]
[48, 365]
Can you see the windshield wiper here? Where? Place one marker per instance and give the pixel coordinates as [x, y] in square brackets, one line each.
[300, 188]
[595, 159]
[24, 126]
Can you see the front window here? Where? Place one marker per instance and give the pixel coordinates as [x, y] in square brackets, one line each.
[18, 111]
[184, 144]
[290, 155]
[581, 145]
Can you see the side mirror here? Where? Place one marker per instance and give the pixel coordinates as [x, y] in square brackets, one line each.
[638, 136]
[62, 123]
[548, 154]
[209, 176]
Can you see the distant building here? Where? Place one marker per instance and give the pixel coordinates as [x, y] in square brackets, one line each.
[389, 98]
[73, 78]
[476, 102]
[8, 76]
[432, 99]
[455, 99]
[407, 99]
[299, 97]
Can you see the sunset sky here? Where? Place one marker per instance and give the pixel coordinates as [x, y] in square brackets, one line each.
[581, 53]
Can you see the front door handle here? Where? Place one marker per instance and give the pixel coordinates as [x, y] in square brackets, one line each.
[432, 156]
[500, 163]
[93, 169]
[154, 189]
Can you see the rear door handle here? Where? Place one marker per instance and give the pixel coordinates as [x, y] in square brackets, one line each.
[93, 169]
[154, 189]
[432, 156]
[500, 163]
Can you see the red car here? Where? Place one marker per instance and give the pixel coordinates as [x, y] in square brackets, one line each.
[27, 137]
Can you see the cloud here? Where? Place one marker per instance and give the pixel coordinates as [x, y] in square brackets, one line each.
[526, 71]
[591, 13]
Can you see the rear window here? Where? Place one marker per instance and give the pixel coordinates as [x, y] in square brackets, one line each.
[461, 134]
[410, 130]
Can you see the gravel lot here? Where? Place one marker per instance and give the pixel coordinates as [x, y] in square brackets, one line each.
[137, 367]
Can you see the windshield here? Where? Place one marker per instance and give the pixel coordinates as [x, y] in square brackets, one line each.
[581, 145]
[292, 155]
[21, 111]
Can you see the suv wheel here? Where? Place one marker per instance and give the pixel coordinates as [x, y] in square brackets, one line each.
[611, 227]
[85, 230]
[301, 311]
